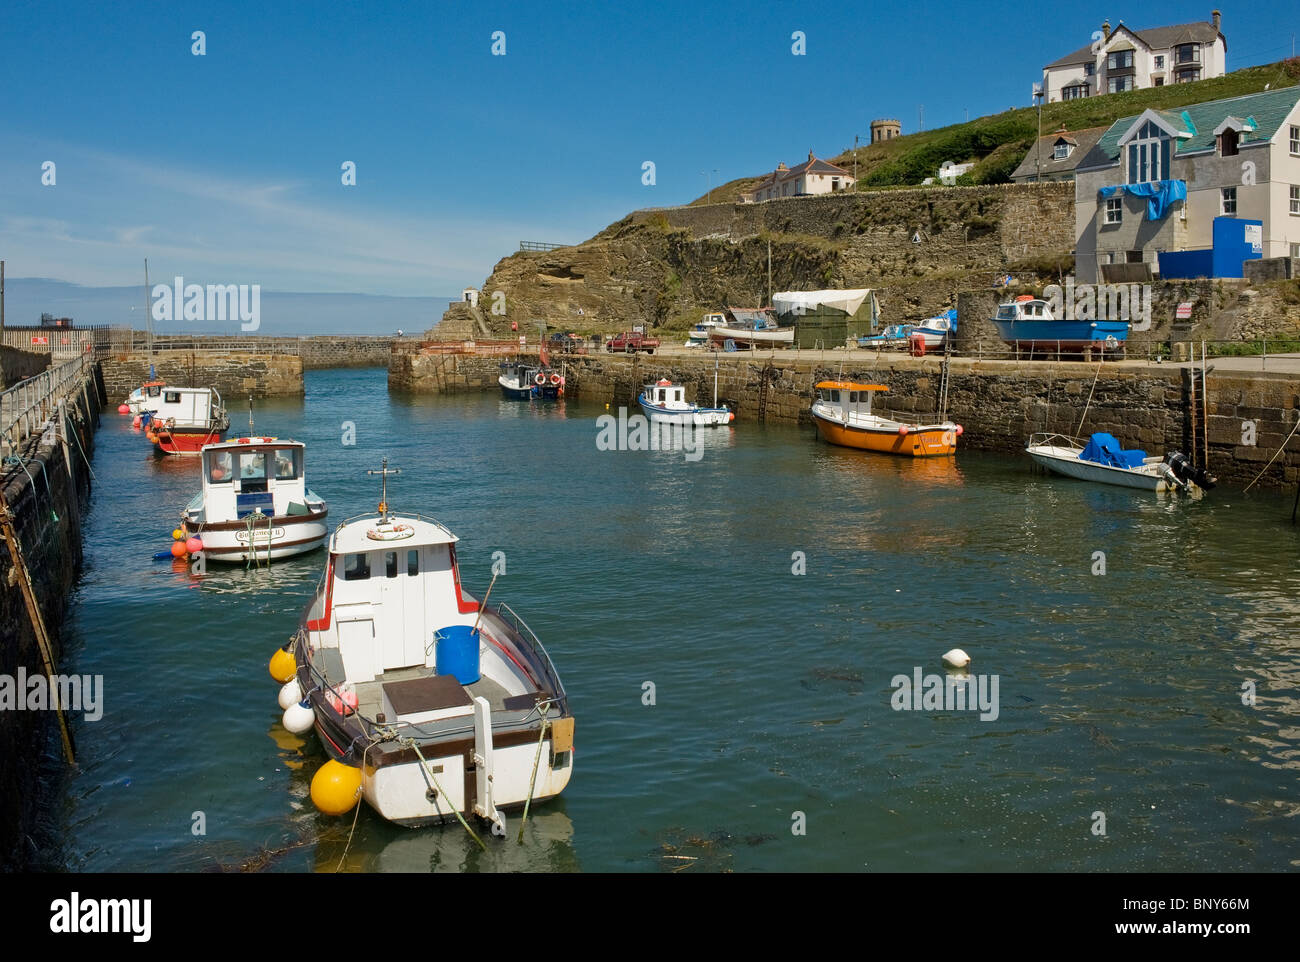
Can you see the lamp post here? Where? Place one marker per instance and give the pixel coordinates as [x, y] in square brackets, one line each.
[708, 181]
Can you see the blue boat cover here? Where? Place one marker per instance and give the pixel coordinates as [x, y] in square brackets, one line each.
[1104, 449]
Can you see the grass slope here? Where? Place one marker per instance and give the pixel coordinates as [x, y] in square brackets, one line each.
[997, 143]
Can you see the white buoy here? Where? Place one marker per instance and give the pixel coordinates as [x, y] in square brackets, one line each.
[299, 717]
[956, 659]
[291, 693]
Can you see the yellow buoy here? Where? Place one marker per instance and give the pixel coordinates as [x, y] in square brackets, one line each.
[335, 787]
[283, 666]
[177, 534]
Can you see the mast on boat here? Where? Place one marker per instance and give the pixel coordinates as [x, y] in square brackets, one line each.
[383, 472]
[148, 320]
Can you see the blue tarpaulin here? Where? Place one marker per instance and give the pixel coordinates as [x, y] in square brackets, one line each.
[1105, 449]
[1159, 193]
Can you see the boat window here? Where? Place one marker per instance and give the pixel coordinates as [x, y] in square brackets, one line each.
[853, 397]
[356, 567]
[288, 463]
[252, 465]
[661, 395]
[172, 397]
[413, 561]
[219, 467]
[155, 390]
[390, 564]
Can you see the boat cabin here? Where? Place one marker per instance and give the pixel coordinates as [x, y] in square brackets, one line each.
[253, 474]
[520, 373]
[188, 407]
[844, 399]
[1025, 308]
[664, 393]
[389, 586]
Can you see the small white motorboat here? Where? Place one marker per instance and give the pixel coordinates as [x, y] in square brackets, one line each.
[255, 504]
[431, 704]
[1102, 459]
[665, 403]
[698, 336]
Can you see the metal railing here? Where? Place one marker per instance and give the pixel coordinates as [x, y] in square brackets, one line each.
[540, 246]
[29, 405]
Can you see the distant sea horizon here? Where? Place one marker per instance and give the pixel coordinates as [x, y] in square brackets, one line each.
[282, 314]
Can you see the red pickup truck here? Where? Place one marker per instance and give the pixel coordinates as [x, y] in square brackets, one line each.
[631, 342]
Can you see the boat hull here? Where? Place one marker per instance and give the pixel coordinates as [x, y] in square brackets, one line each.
[284, 537]
[178, 442]
[744, 336]
[512, 392]
[920, 442]
[1065, 335]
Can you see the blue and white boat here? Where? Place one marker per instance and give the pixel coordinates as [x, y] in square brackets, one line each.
[1028, 324]
[1103, 459]
[516, 380]
[936, 329]
[665, 402]
[894, 336]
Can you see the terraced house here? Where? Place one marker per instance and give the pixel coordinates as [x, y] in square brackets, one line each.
[1128, 59]
[1159, 181]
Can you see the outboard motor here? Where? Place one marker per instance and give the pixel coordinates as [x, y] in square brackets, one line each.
[1185, 472]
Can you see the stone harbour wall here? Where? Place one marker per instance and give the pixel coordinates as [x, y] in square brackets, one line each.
[235, 374]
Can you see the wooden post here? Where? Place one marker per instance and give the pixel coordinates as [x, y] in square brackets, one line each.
[24, 579]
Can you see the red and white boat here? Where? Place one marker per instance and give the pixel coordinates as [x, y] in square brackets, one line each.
[186, 419]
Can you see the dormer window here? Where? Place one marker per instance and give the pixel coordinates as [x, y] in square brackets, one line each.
[1119, 60]
[1062, 150]
[1148, 155]
[1228, 143]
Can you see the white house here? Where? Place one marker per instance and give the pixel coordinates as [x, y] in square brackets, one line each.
[1126, 59]
[813, 176]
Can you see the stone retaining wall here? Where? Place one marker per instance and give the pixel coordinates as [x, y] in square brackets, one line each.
[235, 374]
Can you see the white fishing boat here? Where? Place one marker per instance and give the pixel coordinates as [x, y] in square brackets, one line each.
[756, 332]
[147, 397]
[431, 704]
[1102, 459]
[698, 336]
[516, 380]
[665, 402]
[936, 329]
[255, 504]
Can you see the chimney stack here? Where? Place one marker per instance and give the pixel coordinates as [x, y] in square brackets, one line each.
[1105, 30]
[1214, 19]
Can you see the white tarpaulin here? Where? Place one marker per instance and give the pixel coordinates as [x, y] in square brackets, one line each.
[801, 302]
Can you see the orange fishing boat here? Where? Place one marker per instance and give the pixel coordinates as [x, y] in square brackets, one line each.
[842, 413]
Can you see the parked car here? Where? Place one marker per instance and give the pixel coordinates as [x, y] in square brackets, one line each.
[630, 342]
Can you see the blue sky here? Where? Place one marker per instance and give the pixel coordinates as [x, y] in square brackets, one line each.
[225, 168]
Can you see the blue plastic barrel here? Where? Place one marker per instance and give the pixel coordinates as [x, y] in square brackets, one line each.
[456, 653]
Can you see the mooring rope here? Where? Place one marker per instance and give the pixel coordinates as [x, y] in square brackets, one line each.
[532, 782]
[1275, 454]
[1079, 430]
[410, 742]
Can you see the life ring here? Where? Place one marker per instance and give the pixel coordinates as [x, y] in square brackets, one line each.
[555, 379]
[539, 379]
[396, 532]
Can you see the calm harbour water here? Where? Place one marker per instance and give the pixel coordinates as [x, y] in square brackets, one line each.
[1119, 693]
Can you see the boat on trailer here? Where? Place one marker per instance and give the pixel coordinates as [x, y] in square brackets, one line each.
[255, 504]
[187, 419]
[1103, 459]
[1027, 324]
[842, 412]
[442, 705]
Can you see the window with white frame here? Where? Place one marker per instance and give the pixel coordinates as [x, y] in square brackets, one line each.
[1295, 201]
[1295, 138]
[1114, 210]
[1295, 250]
[1117, 85]
[1228, 202]
[1148, 155]
[1160, 62]
[1119, 59]
[1061, 152]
